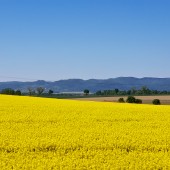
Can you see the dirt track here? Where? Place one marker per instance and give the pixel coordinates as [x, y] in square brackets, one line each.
[145, 99]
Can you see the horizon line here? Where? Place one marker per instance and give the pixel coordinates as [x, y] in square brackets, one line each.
[35, 80]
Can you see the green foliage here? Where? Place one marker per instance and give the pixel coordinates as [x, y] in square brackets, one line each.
[8, 91]
[130, 99]
[50, 92]
[18, 92]
[138, 101]
[133, 91]
[99, 92]
[156, 102]
[116, 91]
[86, 91]
[121, 100]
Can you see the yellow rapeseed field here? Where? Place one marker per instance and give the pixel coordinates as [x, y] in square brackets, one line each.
[37, 133]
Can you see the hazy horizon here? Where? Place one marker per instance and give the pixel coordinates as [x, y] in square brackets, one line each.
[34, 80]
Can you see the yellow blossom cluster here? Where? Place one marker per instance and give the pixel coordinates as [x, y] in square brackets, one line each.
[46, 134]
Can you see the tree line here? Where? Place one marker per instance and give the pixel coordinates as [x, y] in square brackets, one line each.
[30, 91]
[115, 92]
[133, 91]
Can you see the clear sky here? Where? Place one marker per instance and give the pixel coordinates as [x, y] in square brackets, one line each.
[61, 39]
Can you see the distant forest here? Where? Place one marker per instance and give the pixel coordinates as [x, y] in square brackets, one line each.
[40, 91]
[133, 91]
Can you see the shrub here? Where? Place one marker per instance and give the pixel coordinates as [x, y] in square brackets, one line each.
[121, 100]
[130, 99]
[138, 101]
[156, 102]
[18, 92]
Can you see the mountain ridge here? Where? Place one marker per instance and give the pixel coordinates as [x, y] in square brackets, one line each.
[75, 85]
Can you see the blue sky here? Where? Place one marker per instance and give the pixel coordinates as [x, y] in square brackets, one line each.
[61, 39]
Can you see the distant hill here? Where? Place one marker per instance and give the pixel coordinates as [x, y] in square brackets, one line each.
[76, 85]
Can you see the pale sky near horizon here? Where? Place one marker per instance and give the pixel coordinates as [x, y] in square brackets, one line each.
[61, 39]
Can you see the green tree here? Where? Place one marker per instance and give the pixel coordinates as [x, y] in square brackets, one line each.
[18, 92]
[130, 99]
[138, 101]
[99, 92]
[8, 91]
[50, 92]
[156, 102]
[86, 91]
[145, 90]
[121, 100]
[116, 91]
[133, 90]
